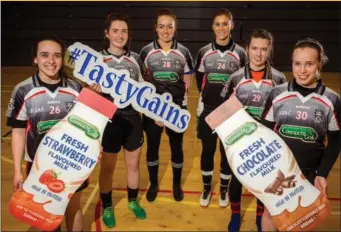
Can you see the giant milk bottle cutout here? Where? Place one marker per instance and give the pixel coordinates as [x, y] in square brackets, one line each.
[265, 165]
[64, 159]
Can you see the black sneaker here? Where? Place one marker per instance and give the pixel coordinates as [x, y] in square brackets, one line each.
[178, 193]
[152, 192]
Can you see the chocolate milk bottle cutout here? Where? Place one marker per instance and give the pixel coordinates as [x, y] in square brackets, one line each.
[265, 165]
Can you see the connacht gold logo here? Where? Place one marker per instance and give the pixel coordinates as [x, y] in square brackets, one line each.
[166, 76]
[90, 130]
[306, 134]
[246, 129]
[45, 126]
[217, 78]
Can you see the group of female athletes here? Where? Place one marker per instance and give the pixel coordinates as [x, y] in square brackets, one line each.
[222, 68]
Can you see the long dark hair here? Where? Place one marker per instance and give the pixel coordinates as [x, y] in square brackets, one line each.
[107, 23]
[55, 39]
[166, 12]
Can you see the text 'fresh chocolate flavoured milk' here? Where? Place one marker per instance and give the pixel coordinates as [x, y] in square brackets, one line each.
[265, 165]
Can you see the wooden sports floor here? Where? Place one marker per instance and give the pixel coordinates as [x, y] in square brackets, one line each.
[164, 214]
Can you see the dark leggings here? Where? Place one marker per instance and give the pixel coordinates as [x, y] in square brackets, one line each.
[209, 146]
[207, 156]
[153, 134]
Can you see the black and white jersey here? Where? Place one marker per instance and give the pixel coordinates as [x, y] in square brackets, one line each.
[128, 61]
[303, 122]
[217, 67]
[40, 108]
[251, 93]
[166, 69]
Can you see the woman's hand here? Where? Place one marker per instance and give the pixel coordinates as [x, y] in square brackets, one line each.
[95, 87]
[159, 123]
[321, 184]
[18, 181]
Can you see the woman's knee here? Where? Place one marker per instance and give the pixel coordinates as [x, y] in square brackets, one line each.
[132, 159]
[108, 161]
[74, 203]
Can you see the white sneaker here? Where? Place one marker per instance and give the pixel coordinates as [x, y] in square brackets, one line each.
[224, 200]
[205, 198]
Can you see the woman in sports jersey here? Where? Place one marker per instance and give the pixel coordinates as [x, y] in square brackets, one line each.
[125, 130]
[306, 104]
[251, 84]
[47, 95]
[168, 66]
[214, 64]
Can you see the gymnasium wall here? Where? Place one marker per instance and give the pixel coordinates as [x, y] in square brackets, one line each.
[23, 22]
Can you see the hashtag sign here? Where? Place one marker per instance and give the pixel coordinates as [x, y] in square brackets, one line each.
[74, 55]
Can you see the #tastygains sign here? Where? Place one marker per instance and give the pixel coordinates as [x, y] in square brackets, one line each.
[89, 67]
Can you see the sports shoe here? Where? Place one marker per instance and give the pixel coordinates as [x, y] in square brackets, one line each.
[139, 212]
[224, 200]
[152, 192]
[178, 194]
[205, 198]
[108, 217]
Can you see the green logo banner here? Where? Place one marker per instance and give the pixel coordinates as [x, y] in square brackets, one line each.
[45, 126]
[166, 76]
[90, 130]
[306, 134]
[246, 129]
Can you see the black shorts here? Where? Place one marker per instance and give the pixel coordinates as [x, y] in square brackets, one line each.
[150, 127]
[203, 129]
[84, 185]
[124, 131]
[310, 174]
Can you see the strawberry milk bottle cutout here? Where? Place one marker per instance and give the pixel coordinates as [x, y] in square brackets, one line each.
[265, 165]
[65, 158]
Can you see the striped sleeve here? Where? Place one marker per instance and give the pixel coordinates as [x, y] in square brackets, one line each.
[268, 113]
[189, 63]
[335, 119]
[16, 107]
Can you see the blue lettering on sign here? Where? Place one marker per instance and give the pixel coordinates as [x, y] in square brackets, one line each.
[258, 160]
[68, 152]
[89, 67]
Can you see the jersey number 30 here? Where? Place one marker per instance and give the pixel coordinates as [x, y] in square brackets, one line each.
[301, 115]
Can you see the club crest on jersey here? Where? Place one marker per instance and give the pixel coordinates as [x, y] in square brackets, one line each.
[318, 115]
[69, 105]
[132, 72]
[177, 64]
[233, 66]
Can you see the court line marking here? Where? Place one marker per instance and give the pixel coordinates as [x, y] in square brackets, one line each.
[11, 161]
[91, 197]
[97, 214]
